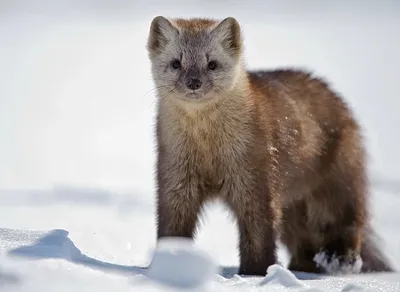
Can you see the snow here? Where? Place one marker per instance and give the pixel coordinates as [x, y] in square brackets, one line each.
[180, 263]
[332, 265]
[77, 146]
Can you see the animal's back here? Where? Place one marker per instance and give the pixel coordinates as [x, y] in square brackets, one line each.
[311, 125]
[312, 96]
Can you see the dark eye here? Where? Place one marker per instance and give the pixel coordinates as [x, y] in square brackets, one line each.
[212, 65]
[176, 64]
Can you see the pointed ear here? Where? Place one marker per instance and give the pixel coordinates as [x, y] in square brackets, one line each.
[229, 35]
[161, 32]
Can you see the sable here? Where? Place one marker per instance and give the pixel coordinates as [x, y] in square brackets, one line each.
[279, 147]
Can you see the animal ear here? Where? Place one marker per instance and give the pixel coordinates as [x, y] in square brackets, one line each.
[161, 32]
[228, 33]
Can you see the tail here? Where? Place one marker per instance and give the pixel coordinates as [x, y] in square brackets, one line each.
[372, 256]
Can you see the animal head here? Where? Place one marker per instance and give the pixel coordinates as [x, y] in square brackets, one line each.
[195, 60]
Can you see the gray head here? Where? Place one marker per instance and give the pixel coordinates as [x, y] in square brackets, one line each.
[196, 59]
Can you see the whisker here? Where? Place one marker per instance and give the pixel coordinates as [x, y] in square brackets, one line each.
[168, 93]
[155, 88]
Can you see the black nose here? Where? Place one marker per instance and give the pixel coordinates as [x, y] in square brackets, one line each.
[193, 83]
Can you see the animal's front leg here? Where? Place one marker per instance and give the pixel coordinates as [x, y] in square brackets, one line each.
[177, 213]
[256, 217]
[178, 202]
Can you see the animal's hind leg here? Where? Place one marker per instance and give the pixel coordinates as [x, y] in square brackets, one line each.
[324, 241]
[302, 260]
[323, 232]
[341, 245]
[343, 196]
[340, 220]
[337, 209]
[297, 237]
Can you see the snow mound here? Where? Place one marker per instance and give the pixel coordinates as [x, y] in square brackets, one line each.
[177, 262]
[55, 244]
[276, 274]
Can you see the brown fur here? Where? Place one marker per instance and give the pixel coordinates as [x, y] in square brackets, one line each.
[195, 25]
[283, 150]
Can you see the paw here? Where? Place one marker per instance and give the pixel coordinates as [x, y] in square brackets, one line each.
[349, 263]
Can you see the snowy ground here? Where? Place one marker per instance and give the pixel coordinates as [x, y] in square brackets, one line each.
[77, 148]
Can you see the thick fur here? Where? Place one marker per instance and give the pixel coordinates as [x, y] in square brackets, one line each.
[279, 147]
